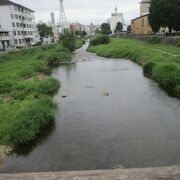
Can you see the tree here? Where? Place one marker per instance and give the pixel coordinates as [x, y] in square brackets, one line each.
[84, 33]
[165, 13]
[68, 40]
[119, 27]
[44, 31]
[129, 29]
[105, 28]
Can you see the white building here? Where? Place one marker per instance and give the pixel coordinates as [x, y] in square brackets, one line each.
[19, 21]
[4, 39]
[114, 19]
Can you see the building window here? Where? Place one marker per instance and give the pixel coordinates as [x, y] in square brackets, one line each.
[20, 41]
[15, 8]
[16, 16]
[13, 24]
[15, 41]
[17, 24]
[14, 33]
[19, 17]
[19, 33]
[12, 16]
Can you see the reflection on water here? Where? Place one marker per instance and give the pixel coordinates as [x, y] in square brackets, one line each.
[137, 125]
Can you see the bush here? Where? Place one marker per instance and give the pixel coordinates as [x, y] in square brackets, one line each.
[6, 85]
[148, 69]
[103, 39]
[155, 40]
[68, 40]
[168, 77]
[177, 42]
[58, 58]
[35, 87]
[21, 122]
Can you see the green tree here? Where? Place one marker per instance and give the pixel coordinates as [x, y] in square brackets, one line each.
[129, 29]
[165, 13]
[68, 40]
[44, 31]
[119, 27]
[84, 33]
[105, 28]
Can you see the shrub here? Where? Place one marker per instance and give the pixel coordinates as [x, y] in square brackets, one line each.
[155, 40]
[168, 77]
[68, 40]
[6, 85]
[177, 42]
[148, 69]
[103, 39]
[25, 120]
[58, 58]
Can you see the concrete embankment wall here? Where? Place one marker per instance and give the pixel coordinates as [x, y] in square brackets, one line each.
[163, 173]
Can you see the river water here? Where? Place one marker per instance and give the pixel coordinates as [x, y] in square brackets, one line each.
[112, 117]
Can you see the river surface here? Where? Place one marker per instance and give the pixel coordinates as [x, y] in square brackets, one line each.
[112, 117]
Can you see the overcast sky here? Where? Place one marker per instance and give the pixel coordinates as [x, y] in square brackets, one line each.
[83, 11]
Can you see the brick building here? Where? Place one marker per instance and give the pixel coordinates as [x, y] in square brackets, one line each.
[141, 25]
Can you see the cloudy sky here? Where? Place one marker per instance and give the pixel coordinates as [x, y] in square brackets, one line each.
[83, 11]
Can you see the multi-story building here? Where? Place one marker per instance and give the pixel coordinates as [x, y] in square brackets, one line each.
[114, 19]
[20, 23]
[4, 39]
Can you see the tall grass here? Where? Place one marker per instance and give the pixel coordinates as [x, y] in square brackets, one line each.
[25, 91]
[163, 67]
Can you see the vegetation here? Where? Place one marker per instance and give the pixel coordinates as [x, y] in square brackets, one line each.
[165, 13]
[119, 27]
[160, 62]
[100, 39]
[79, 43]
[105, 28]
[25, 91]
[68, 40]
[44, 31]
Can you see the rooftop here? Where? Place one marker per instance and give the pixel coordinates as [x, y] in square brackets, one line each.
[7, 2]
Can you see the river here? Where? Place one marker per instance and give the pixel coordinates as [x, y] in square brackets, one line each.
[108, 116]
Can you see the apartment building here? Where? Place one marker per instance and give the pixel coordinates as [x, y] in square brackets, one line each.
[4, 39]
[20, 23]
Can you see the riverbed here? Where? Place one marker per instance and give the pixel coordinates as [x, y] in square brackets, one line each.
[108, 116]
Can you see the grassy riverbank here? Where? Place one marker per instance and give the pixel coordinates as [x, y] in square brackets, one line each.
[25, 91]
[79, 43]
[160, 62]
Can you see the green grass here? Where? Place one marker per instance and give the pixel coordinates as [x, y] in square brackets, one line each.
[164, 68]
[25, 91]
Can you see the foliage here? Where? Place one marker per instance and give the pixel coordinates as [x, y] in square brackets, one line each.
[177, 42]
[68, 40]
[22, 121]
[105, 28]
[155, 40]
[158, 65]
[44, 30]
[25, 102]
[166, 14]
[100, 39]
[119, 27]
[129, 29]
